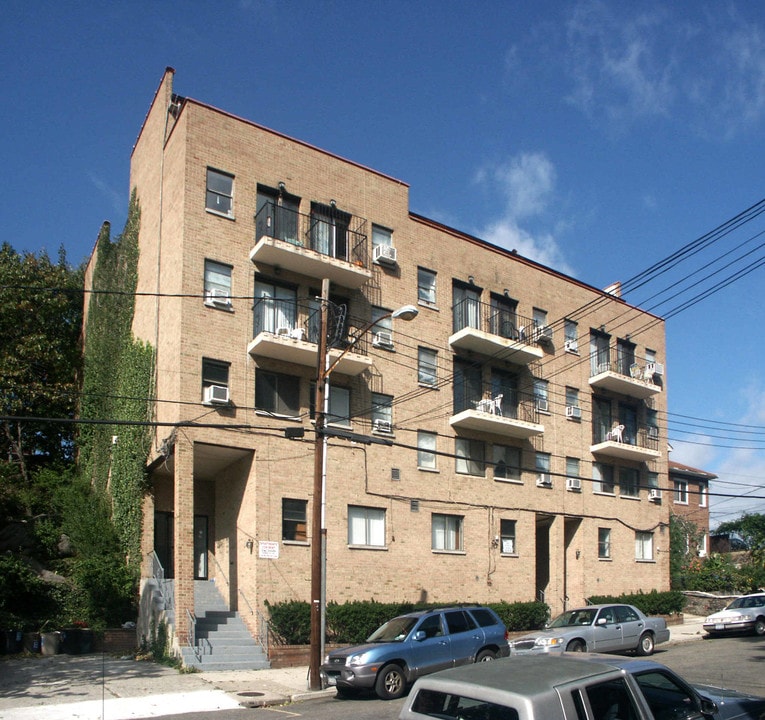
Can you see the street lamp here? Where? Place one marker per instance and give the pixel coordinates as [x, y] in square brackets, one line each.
[318, 529]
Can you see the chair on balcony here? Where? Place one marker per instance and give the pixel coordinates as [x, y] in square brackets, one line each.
[486, 405]
[498, 404]
[616, 433]
[636, 372]
[297, 333]
[283, 330]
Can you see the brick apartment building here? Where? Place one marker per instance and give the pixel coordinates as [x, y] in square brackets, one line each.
[518, 417]
[689, 489]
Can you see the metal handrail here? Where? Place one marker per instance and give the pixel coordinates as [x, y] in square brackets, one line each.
[644, 436]
[629, 366]
[192, 634]
[494, 319]
[501, 402]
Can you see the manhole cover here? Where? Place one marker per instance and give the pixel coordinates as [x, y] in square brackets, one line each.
[251, 694]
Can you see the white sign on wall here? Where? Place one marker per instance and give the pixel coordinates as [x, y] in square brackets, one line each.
[268, 549]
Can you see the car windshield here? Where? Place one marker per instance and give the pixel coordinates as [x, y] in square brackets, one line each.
[394, 630]
[573, 617]
[747, 602]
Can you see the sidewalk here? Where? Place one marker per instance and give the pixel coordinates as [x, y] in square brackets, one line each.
[92, 687]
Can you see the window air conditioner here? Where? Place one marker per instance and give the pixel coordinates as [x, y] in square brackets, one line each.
[218, 297]
[654, 494]
[384, 255]
[544, 480]
[572, 411]
[544, 333]
[573, 483]
[383, 339]
[542, 404]
[216, 394]
[654, 368]
[571, 346]
[653, 432]
[382, 426]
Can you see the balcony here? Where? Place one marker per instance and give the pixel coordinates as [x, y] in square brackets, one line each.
[312, 246]
[485, 329]
[626, 378]
[288, 331]
[510, 414]
[641, 445]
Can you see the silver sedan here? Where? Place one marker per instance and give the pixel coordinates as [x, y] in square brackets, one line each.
[596, 628]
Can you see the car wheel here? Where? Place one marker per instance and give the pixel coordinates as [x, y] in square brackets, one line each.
[390, 683]
[576, 646]
[645, 646]
[485, 656]
[759, 627]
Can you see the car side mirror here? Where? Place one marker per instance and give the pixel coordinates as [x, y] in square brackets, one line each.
[708, 707]
[601, 621]
[419, 636]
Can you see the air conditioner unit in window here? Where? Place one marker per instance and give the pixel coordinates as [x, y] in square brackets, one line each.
[383, 426]
[572, 411]
[571, 346]
[544, 480]
[543, 333]
[218, 297]
[216, 395]
[654, 494]
[653, 432]
[654, 368]
[383, 339]
[573, 483]
[384, 255]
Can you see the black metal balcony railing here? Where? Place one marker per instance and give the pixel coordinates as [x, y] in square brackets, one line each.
[300, 320]
[338, 238]
[494, 320]
[627, 365]
[497, 401]
[644, 436]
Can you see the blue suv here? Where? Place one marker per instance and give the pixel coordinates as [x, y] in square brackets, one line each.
[415, 644]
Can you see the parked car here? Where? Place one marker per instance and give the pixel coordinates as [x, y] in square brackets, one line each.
[744, 614]
[415, 644]
[596, 628]
[573, 687]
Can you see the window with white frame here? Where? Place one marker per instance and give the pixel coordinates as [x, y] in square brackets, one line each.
[653, 482]
[507, 462]
[572, 397]
[572, 468]
[471, 458]
[426, 286]
[381, 236]
[507, 537]
[275, 308]
[604, 543]
[382, 412]
[382, 328]
[629, 482]
[217, 284]
[214, 374]
[570, 336]
[681, 492]
[427, 366]
[366, 526]
[540, 395]
[446, 532]
[542, 466]
[426, 450]
[220, 192]
[294, 520]
[603, 478]
[703, 492]
[643, 545]
[539, 317]
[277, 393]
[339, 405]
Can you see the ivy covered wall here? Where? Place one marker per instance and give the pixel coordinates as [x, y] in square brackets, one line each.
[117, 385]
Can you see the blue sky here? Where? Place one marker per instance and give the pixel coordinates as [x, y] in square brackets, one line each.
[595, 137]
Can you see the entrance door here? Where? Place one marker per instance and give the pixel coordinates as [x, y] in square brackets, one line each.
[164, 543]
[200, 547]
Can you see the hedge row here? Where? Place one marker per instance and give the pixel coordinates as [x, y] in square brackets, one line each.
[652, 603]
[354, 622]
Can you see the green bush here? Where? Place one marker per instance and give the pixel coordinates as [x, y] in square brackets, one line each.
[522, 615]
[651, 603]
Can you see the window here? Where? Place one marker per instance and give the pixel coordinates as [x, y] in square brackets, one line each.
[600, 353]
[652, 424]
[507, 462]
[275, 309]
[382, 412]
[572, 467]
[540, 395]
[446, 532]
[681, 492]
[381, 236]
[277, 393]
[629, 482]
[503, 320]
[603, 477]
[470, 456]
[625, 356]
[277, 215]
[643, 545]
[542, 463]
[571, 336]
[382, 329]
[426, 450]
[330, 231]
[507, 537]
[427, 366]
[466, 302]
[653, 481]
[613, 699]
[539, 317]
[217, 284]
[703, 492]
[572, 397]
[214, 374]
[294, 520]
[604, 543]
[666, 696]
[220, 192]
[426, 286]
[339, 405]
[366, 526]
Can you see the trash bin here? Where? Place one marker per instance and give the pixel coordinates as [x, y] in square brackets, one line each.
[31, 642]
[50, 643]
[13, 641]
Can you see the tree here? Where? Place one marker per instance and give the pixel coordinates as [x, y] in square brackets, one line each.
[751, 527]
[40, 361]
[685, 539]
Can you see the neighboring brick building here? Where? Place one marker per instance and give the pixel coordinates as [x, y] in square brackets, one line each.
[506, 478]
[689, 488]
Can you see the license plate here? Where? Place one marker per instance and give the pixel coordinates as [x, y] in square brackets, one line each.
[331, 680]
[720, 626]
